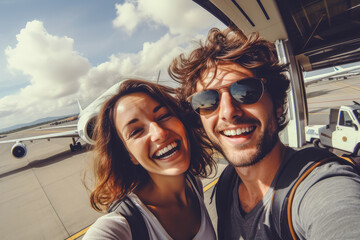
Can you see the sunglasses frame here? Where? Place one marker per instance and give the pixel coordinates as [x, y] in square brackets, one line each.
[261, 80]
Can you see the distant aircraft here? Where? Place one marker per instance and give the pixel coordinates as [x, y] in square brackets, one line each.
[338, 73]
[85, 127]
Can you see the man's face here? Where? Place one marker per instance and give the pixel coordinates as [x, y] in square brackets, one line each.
[243, 133]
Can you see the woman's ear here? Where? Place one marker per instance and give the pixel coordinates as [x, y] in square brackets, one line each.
[133, 160]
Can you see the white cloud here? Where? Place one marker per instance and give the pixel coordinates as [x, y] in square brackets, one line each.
[58, 75]
[127, 17]
[154, 56]
[50, 62]
[181, 17]
[52, 67]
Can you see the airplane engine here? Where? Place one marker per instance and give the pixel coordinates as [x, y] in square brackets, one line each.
[19, 150]
[90, 126]
[86, 128]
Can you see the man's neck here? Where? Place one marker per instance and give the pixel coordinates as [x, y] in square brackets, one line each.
[256, 179]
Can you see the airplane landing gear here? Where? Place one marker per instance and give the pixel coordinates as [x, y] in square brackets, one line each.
[75, 146]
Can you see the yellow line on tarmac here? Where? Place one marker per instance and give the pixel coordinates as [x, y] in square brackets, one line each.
[82, 232]
[348, 85]
[318, 113]
[78, 234]
[210, 185]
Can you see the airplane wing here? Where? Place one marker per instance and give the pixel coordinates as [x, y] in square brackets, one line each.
[72, 133]
[57, 127]
[19, 149]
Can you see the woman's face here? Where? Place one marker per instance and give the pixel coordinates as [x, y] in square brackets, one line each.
[154, 137]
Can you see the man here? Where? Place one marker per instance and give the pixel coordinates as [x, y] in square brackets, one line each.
[239, 91]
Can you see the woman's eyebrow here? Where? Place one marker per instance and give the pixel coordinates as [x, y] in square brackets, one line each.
[158, 108]
[130, 122]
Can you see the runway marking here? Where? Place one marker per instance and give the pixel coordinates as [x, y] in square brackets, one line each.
[82, 232]
[318, 113]
[210, 185]
[78, 234]
[348, 85]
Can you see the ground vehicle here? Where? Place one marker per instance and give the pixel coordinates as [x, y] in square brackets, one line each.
[342, 132]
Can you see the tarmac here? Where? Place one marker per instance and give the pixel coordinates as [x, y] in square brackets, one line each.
[43, 194]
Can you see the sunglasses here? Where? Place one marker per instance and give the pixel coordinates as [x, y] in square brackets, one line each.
[244, 91]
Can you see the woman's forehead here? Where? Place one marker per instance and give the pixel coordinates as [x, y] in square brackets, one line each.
[133, 102]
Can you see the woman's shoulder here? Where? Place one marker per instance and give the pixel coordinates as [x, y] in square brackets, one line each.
[110, 226]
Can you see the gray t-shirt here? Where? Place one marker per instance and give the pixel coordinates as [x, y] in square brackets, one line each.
[326, 206]
[113, 226]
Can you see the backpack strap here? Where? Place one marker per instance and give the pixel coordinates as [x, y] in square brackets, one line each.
[224, 198]
[133, 216]
[301, 164]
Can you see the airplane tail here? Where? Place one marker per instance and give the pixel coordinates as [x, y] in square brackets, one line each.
[157, 80]
[337, 68]
[80, 108]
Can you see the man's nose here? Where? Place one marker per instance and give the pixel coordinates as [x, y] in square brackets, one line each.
[228, 108]
[157, 133]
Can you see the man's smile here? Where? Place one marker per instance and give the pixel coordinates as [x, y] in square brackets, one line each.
[238, 131]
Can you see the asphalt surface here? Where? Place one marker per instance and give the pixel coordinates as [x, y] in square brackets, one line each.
[43, 195]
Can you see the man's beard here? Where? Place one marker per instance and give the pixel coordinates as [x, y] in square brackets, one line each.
[264, 146]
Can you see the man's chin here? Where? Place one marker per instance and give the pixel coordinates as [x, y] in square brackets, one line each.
[249, 154]
[242, 158]
[239, 156]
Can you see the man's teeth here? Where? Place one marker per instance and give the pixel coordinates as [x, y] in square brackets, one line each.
[239, 131]
[166, 149]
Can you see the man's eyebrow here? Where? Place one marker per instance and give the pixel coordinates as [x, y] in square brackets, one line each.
[158, 108]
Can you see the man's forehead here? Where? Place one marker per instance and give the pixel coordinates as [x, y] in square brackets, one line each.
[225, 73]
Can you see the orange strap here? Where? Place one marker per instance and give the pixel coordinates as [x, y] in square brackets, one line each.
[293, 190]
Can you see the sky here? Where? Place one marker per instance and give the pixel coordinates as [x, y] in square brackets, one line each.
[55, 52]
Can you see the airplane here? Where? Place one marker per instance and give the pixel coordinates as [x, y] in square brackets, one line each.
[337, 73]
[84, 128]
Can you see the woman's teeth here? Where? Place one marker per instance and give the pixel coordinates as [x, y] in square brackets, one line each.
[239, 131]
[166, 149]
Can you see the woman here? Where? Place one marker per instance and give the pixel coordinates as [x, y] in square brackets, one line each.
[145, 151]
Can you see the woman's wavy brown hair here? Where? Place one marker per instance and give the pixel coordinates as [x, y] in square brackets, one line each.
[232, 46]
[115, 174]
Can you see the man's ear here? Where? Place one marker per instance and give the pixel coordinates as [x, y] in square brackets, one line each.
[133, 159]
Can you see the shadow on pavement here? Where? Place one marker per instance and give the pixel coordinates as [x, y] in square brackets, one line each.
[46, 161]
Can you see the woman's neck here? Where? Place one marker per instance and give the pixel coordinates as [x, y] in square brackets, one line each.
[163, 190]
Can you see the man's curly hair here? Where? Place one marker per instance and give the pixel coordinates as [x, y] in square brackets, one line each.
[232, 46]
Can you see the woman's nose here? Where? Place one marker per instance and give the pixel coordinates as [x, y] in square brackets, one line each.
[157, 133]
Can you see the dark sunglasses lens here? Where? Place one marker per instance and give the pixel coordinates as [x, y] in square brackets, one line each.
[205, 102]
[247, 91]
